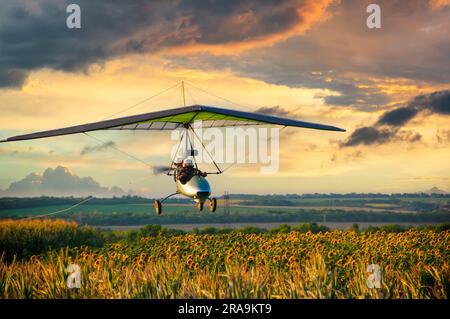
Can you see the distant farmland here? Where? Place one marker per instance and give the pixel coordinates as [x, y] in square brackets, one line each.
[132, 215]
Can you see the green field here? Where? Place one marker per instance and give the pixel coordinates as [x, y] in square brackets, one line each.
[126, 214]
[126, 211]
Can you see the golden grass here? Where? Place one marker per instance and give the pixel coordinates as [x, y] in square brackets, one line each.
[414, 264]
[23, 238]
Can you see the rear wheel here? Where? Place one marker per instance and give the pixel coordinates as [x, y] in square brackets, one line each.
[200, 206]
[212, 205]
[158, 207]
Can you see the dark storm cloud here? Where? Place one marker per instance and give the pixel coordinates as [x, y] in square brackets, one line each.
[12, 78]
[436, 102]
[398, 117]
[369, 135]
[387, 128]
[296, 69]
[33, 34]
[341, 54]
[97, 148]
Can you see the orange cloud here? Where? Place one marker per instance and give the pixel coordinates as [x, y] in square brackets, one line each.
[439, 4]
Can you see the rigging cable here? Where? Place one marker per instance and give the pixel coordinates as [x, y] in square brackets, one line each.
[102, 142]
[190, 95]
[119, 150]
[143, 101]
[216, 96]
[62, 210]
[176, 152]
[229, 101]
[209, 154]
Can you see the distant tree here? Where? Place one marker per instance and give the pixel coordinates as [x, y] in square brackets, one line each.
[392, 228]
[281, 229]
[250, 230]
[150, 231]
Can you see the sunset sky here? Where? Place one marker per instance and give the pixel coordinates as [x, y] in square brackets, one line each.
[313, 60]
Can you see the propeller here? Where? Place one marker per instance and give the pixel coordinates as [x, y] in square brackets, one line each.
[160, 169]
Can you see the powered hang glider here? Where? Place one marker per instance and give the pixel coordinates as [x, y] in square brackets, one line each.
[190, 181]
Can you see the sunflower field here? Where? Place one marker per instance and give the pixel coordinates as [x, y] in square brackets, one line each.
[333, 264]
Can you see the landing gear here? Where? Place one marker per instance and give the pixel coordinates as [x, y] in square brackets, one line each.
[200, 206]
[158, 207]
[212, 205]
[158, 204]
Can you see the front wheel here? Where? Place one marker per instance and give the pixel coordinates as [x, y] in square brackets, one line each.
[158, 207]
[200, 206]
[212, 205]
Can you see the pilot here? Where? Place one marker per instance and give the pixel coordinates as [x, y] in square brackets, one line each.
[178, 167]
[188, 171]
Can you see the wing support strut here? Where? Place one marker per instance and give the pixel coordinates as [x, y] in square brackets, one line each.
[219, 171]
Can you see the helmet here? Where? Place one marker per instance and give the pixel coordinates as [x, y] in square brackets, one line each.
[179, 161]
[187, 162]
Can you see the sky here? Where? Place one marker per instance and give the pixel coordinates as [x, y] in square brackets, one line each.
[309, 60]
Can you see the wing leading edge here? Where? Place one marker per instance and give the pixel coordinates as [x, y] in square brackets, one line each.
[175, 118]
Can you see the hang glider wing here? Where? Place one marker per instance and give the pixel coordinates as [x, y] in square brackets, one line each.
[177, 118]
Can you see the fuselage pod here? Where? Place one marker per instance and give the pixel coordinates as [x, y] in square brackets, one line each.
[197, 188]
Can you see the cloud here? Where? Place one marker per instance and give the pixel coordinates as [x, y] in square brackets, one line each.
[348, 157]
[436, 102]
[408, 136]
[438, 4]
[387, 128]
[60, 182]
[33, 34]
[97, 148]
[274, 110]
[398, 117]
[369, 135]
[12, 78]
[443, 136]
[342, 55]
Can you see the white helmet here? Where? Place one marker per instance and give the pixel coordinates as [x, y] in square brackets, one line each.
[187, 162]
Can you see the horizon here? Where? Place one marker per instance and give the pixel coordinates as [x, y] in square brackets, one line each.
[28, 187]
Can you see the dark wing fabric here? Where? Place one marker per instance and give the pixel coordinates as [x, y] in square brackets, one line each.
[177, 118]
